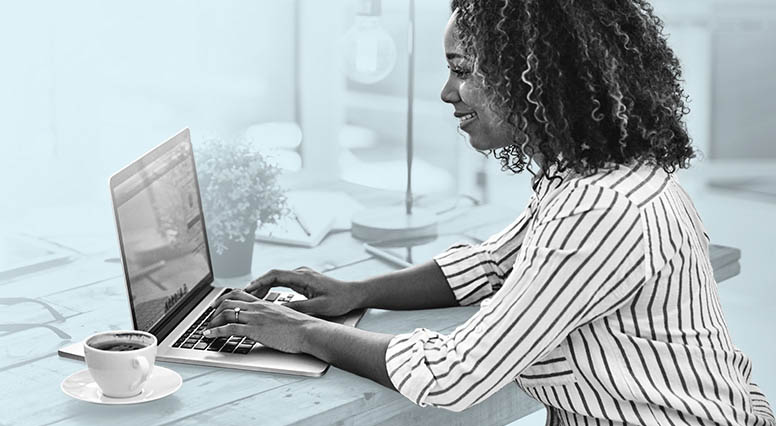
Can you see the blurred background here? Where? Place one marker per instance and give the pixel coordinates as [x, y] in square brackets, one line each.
[88, 86]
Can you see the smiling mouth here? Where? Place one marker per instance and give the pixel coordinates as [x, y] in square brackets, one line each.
[466, 119]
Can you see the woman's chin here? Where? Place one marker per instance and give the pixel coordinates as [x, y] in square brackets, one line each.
[480, 143]
[488, 141]
[477, 143]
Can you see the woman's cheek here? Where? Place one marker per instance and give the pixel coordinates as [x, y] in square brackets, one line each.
[466, 95]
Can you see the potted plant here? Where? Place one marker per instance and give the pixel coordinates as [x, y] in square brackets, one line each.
[240, 192]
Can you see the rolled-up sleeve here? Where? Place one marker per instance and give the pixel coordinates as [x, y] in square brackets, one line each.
[474, 272]
[582, 259]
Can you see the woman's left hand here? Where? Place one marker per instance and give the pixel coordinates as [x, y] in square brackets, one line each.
[270, 324]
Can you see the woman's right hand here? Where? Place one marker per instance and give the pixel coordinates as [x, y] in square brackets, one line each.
[325, 295]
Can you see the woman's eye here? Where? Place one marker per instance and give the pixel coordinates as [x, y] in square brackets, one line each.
[459, 72]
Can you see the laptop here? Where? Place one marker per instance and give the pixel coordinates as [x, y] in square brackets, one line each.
[168, 272]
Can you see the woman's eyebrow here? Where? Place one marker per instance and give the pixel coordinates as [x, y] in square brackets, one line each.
[454, 55]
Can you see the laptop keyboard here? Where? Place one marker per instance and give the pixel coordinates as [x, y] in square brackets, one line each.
[193, 339]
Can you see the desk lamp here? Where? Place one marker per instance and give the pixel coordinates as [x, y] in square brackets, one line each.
[389, 223]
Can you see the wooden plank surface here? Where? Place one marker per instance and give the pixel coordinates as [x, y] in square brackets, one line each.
[210, 394]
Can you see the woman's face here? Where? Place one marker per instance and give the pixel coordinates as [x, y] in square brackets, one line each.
[465, 93]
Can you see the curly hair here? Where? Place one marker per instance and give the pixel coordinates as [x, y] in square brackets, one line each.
[594, 78]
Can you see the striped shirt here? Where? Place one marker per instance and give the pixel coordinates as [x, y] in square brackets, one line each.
[600, 302]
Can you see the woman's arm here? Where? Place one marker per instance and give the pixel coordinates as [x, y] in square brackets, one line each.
[462, 275]
[357, 351]
[418, 287]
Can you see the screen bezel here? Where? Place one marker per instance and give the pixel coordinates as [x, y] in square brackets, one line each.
[169, 320]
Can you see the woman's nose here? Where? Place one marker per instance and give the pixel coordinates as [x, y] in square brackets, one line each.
[450, 93]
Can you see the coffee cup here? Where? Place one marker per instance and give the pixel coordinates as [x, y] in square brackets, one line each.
[120, 361]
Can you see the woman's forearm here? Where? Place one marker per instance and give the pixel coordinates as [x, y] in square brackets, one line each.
[363, 352]
[419, 287]
[358, 351]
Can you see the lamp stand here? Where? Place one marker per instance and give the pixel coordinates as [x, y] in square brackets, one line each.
[396, 223]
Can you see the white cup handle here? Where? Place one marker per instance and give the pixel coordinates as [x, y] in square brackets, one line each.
[140, 363]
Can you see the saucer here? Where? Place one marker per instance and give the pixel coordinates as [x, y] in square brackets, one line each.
[160, 383]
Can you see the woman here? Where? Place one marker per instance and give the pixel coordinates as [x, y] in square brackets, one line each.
[599, 300]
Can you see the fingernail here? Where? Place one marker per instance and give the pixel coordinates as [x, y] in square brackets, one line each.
[206, 332]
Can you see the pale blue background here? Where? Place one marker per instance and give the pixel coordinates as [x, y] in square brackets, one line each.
[88, 86]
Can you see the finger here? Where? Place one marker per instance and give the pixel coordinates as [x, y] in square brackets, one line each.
[235, 294]
[261, 285]
[229, 330]
[218, 320]
[228, 306]
[227, 316]
[295, 280]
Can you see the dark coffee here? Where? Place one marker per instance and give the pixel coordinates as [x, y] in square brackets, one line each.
[118, 346]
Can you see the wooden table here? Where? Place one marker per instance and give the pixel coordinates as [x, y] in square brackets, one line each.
[89, 293]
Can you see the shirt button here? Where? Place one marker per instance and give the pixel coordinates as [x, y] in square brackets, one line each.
[479, 329]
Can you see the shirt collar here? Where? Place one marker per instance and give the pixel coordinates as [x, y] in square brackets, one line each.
[543, 183]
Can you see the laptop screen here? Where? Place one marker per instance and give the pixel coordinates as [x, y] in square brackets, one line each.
[161, 229]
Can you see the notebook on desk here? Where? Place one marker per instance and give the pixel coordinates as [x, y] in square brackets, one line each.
[312, 215]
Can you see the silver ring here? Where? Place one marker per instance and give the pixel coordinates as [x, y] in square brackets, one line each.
[236, 314]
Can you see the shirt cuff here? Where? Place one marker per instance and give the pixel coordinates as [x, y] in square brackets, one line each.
[405, 362]
[470, 273]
